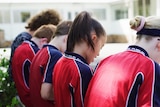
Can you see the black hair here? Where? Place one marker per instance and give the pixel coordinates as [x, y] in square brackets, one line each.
[81, 30]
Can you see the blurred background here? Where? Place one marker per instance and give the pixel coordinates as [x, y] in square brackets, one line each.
[114, 15]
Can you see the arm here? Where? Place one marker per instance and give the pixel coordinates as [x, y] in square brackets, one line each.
[46, 87]
[46, 91]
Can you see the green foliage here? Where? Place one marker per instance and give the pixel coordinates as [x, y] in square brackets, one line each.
[7, 88]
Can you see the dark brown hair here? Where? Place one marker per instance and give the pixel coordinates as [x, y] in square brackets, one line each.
[49, 16]
[81, 30]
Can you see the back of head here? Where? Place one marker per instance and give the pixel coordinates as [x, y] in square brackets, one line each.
[45, 31]
[49, 16]
[81, 30]
[63, 28]
[149, 26]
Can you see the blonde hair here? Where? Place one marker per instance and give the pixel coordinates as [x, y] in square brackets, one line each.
[147, 27]
[45, 31]
[151, 22]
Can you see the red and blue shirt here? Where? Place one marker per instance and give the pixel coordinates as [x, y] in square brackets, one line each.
[71, 77]
[41, 71]
[17, 41]
[126, 79]
[21, 62]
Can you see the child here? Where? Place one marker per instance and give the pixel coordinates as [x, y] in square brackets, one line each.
[72, 73]
[130, 78]
[22, 59]
[44, 17]
[41, 91]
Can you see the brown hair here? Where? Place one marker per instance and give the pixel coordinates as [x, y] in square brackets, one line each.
[49, 16]
[45, 31]
[63, 28]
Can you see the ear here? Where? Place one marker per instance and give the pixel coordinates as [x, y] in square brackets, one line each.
[94, 38]
[158, 46]
[65, 38]
[44, 40]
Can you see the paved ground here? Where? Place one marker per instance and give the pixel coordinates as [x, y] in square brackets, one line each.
[109, 49]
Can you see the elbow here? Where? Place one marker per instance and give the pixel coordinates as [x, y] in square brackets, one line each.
[46, 91]
[44, 96]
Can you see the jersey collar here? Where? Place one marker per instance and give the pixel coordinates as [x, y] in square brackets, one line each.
[138, 49]
[75, 56]
[31, 42]
[48, 45]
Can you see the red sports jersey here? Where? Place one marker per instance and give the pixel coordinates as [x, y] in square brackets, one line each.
[127, 79]
[21, 61]
[71, 77]
[41, 71]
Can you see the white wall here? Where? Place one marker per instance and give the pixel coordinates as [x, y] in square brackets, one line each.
[158, 7]
[111, 26]
[12, 29]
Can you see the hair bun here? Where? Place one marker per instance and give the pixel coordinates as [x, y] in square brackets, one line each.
[137, 23]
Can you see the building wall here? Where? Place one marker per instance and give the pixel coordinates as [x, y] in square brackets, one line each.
[158, 7]
[113, 16]
[14, 25]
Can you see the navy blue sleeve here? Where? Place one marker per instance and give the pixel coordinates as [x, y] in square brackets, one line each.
[86, 75]
[55, 56]
[156, 97]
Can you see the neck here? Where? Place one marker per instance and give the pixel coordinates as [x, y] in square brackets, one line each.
[56, 41]
[37, 41]
[81, 49]
[149, 46]
[30, 32]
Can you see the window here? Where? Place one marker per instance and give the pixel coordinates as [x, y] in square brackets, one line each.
[76, 13]
[69, 16]
[119, 11]
[142, 7]
[4, 16]
[99, 13]
[25, 16]
[121, 14]
[21, 16]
